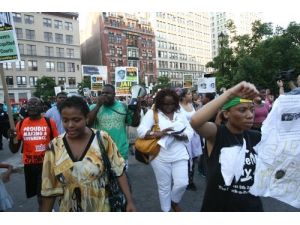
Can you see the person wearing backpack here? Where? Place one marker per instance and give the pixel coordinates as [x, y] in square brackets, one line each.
[35, 133]
[113, 116]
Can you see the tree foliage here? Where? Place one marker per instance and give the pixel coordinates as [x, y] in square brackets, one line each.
[259, 57]
[45, 88]
[162, 82]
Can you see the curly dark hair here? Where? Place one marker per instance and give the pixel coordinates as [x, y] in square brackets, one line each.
[159, 99]
[75, 102]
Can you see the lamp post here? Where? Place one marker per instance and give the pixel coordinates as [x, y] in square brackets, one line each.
[221, 39]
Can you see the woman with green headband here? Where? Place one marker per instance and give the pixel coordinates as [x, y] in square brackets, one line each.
[230, 150]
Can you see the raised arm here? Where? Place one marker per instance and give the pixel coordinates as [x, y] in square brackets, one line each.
[199, 119]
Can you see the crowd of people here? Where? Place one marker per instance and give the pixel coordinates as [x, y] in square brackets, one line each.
[62, 154]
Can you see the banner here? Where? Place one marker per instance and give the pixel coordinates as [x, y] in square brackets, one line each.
[125, 77]
[9, 50]
[207, 85]
[88, 70]
[187, 81]
[97, 83]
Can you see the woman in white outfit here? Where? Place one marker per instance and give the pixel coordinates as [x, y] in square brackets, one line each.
[171, 164]
[194, 146]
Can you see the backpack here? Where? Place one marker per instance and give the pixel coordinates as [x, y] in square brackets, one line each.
[48, 123]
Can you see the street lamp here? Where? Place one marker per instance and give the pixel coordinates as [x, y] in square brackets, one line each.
[221, 39]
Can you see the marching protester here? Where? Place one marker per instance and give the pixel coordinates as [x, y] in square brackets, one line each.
[6, 201]
[73, 166]
[113, 116]
[34, 133]
[229, 181]
[171, 164]
[194, 146]
[53, 112]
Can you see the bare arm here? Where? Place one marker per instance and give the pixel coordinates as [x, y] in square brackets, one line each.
[6, 174]
[47, 204]
[199, 119]
[14, 147]
[122, 180]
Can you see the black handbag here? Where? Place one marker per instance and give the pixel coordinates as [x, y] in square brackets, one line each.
[141, 157]
[116, 197]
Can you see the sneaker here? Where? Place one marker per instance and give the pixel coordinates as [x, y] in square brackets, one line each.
[191, 187]
[175, 207]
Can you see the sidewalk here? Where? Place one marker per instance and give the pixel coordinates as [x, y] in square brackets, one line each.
[7, 157]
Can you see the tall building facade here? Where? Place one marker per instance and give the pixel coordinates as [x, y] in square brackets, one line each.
[49, 46]
[120, 39]
[183, 44]
[242, 21]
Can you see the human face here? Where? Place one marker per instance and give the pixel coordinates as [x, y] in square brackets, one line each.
[240, 117]
[34, 107]
[60, 99]
[188, 96]
[108, 96]
[168, 105]
[74, 122]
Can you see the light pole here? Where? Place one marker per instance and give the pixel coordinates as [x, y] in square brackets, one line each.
[221, 39]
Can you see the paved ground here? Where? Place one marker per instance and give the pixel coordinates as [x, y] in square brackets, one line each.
[143, 184]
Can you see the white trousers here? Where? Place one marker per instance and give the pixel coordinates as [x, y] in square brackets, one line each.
[166, 174]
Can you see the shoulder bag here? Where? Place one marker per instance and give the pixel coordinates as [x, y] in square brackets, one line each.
[116, 197]
[147, 149]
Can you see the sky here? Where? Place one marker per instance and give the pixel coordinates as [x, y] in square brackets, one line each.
[281, 18]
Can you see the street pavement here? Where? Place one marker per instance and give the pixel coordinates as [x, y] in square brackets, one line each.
[144, 189]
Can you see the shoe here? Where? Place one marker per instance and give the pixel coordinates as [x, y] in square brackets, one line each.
[191, 187]
[175, 207]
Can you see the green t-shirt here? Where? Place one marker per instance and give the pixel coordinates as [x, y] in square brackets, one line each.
[115, 124]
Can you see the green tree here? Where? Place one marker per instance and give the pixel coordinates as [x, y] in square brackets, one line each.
[45, 88]
[162, 82]
[85, 83]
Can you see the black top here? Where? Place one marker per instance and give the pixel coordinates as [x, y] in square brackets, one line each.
[236, 197]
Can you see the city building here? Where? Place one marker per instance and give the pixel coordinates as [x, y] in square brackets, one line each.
[242, 21]
[183, 44]
[49, 46]
[120, 39]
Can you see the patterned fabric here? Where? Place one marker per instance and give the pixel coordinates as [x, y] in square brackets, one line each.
[81, 184]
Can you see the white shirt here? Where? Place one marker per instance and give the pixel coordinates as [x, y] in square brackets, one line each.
[171, 149]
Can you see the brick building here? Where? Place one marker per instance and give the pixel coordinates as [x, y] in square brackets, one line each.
[120, 39]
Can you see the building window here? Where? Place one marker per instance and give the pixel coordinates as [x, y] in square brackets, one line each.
[49, 51]
[132, 63]
[149, 53]
[29, 19]
[7, 66]
[69, 39]
[60, 67]
[17, 17]
[68, 26]
[60, 52]
[20, 65]
[61, 80]
[48, 37]
[21, 80]
[59, 38]
[131, 40]
[119, 51]
[120, 62]
[71, 67]
[132, 52]
[32, 81]
[70, 53]
[112, 50]
[21, 49]
[31, 50]
[118, 38]
[50, 66]
[150, 67]
[72, 81]
[111, 37]
[32, 65]
[30, 34]
[9, 80]
[47, 22]
[112, 63]
[58, 24]
[19, 33]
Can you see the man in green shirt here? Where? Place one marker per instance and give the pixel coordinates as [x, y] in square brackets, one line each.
[112, 116]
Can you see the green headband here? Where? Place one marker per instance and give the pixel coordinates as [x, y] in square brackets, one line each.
[235, 101]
